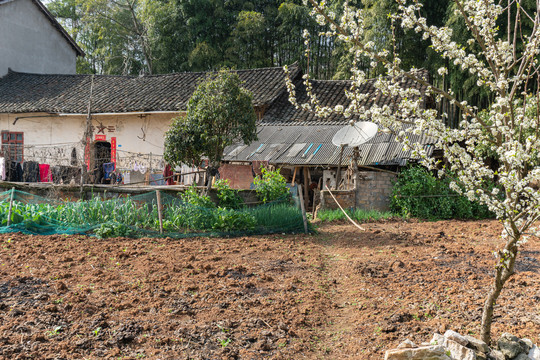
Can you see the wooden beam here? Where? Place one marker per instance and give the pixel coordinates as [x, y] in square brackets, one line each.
[356, 154]
[377, 169]
[306, 187]
[304, 216]
[294, 175]
[338, 175]
[160, 216]
[10, 206]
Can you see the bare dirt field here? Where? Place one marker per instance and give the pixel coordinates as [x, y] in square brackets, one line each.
[339, 294]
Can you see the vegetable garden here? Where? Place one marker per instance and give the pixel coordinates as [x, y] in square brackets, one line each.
[190, 214]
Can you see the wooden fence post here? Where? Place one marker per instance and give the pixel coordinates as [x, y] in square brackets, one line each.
[10, 206]
[301, 198]
[158, 196]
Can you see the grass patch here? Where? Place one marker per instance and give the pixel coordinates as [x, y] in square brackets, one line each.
[357, 215]
[277, 216]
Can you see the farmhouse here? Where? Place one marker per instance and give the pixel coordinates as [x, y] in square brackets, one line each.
[300, 143]
[33, 41]
[130, 115]
[56, 125]
[43, 117]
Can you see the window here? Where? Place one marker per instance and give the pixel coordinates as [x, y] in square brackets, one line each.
[13, 146]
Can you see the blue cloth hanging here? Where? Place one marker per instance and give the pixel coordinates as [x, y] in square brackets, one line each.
[108, 169]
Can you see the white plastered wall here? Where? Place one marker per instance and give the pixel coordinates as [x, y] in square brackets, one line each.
[139, 138]
[47, 140]
[30, 43]
[51, 139]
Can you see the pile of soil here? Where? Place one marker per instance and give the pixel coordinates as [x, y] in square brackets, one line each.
[341, 293]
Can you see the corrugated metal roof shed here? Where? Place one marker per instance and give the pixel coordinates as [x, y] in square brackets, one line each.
[312, 146]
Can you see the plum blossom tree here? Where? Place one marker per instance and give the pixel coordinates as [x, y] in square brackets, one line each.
[505, 61]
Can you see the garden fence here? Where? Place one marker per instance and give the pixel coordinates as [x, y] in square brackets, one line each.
[153, 214]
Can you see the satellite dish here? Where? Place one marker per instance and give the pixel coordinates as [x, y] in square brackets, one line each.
[355, 135]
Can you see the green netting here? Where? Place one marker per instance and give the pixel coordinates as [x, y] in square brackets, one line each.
[137, 216]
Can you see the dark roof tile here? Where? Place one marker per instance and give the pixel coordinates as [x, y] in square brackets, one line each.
[23, 93]
[330, 93]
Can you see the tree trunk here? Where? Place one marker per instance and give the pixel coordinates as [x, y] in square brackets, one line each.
[211, 172]
[503, 271]
[209, 179]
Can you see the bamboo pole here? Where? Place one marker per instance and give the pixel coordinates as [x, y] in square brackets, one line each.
[355, 176]
[294, 175]
[87, 139]
[10, 206]
[338, 175]
[306, 187]
[160, 216]
[301, 198]
[347, 215]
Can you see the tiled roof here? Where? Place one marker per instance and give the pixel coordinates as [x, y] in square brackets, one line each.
[329, 93]
[23, 93]
[56, 24]
[312, 145]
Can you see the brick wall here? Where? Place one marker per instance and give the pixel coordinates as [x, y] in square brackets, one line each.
[374, 190]
[239, 176]
[344, 197]
[373, 193]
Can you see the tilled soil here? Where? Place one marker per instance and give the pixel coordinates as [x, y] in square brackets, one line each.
[339, 294]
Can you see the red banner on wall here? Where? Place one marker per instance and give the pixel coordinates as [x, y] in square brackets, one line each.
[113, 151]
[101, 137]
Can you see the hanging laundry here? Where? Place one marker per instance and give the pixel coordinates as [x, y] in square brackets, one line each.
[45, 173]
[119, 178]
[3, 168]
[127, 177]
[14, 171]
[108, 169]
[18, 172]
[168, 175]
[56, 174]
[31, 171]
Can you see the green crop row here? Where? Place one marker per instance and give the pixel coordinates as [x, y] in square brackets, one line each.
[127, 216]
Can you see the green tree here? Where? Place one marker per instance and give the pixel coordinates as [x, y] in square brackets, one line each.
[126, 44]
[248, 41]
[293, 20]
[120, 36]
[219, 113]
[208, 26]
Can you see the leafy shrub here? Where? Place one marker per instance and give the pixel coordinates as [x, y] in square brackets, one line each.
[418, 193]
[193, 197]
[113, 230]
[271, 186]
[228, 198]
[229, 220]
[187, 216]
